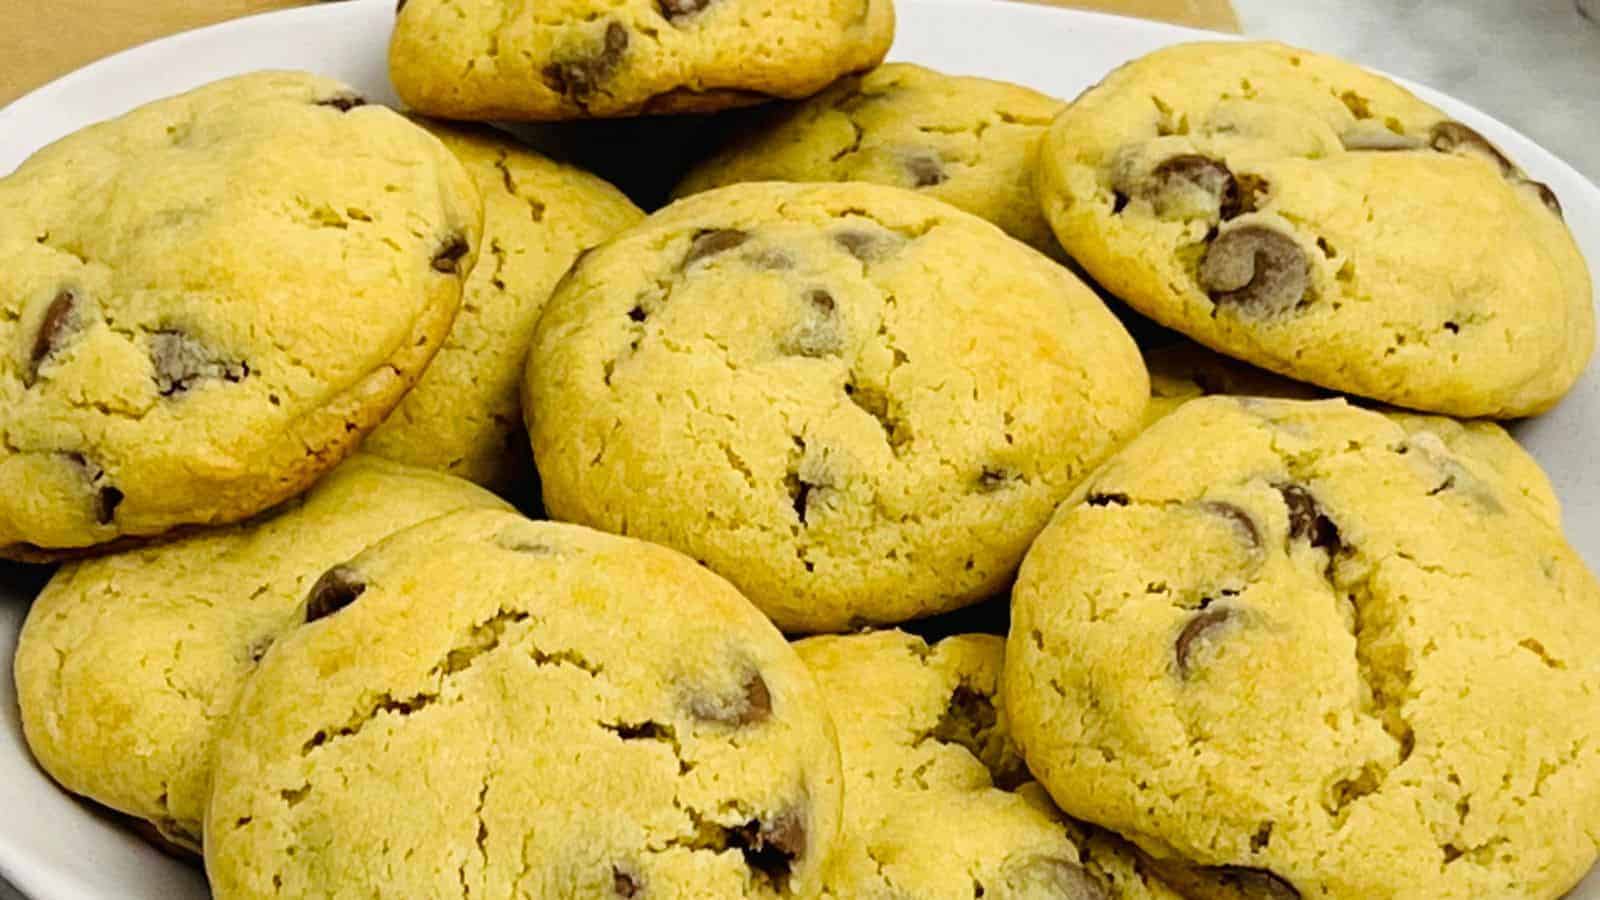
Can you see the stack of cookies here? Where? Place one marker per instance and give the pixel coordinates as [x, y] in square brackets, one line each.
[1233, 610]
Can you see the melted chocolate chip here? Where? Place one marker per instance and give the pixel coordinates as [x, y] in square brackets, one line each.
[179, 362]
[344, 102]
[710, 243]
[817, 334]
[772, 848]
[1256, 268]
[625, 884]
[1191, 171]
[1242, 522]
[1195, 630]
[926, 168]
[677, 9]
[579, 77]
[106, 497]
[106, 501]
[1107, 499]
[1546, 196]
[751, 706]
[1046, 877]
[866, 246]
[1307, 522]
[59, 323]
[337, 588]
[1454, 137]
[448, 257]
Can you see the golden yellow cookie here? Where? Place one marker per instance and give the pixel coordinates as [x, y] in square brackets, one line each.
[127, 664]
[857, 404]
[573, 59]
[209, 301]
[1311, 218]
[970, 142]
[1315, 652]
[464, 416]
[484, 706]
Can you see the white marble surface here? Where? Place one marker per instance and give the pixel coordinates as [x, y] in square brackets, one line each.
[1533, 64]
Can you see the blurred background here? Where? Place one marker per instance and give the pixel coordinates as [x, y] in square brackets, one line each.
[1533, 64]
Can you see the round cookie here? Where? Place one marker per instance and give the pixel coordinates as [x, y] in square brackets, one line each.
[1315, 652]
[464, 416]
[488, 706]
[857, 404]
[933, 787]
[1314, 219]
[210, 301]
[970, 142]
[575, 59]
[127, 664]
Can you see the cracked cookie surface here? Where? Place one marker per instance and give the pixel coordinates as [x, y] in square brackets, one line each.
[464, 416]
[209, 302]
[1311, 650]
[491, 707]
[970, 142]
[574, 59]
[858, 404]
[127, 664]
[1317, 220]
[937, 802]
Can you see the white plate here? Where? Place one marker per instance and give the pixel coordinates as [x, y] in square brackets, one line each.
[52, 847]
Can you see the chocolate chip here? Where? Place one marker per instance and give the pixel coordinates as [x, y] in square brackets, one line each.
[578, 78]
[624, 884]
[799, 495]
[1377, 138]
[59, 324]
[344, 102]
[772, 848]
[751, 706]
[1546, 196]
[106, 501]
[1242, 522]
[638, 314]
[1193, 172]
[925, 167]
[1307, 522]
[1045, 877]
[180, 361]
[1194, 630]
[337, 588]
[1456, 138]
[1107, 499]
[866, 246]
[677, 9]
[106, 496]
[817, 335]
[448, 257]
[991, 480]
[710, 243]
[399, 5]
[1257, 268]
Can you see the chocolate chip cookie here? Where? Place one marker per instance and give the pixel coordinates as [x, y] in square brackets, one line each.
[127, 664]
[1312, 218]
[1307, 650]
[970, 142]
[856, 403]
[492, 59]
[209, 301]
[464, 417]
[488, 706]
[937, 802]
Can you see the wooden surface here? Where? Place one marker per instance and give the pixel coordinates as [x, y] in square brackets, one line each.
[43, 39]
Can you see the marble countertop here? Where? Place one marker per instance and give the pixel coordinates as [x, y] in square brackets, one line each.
[1533, 64]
